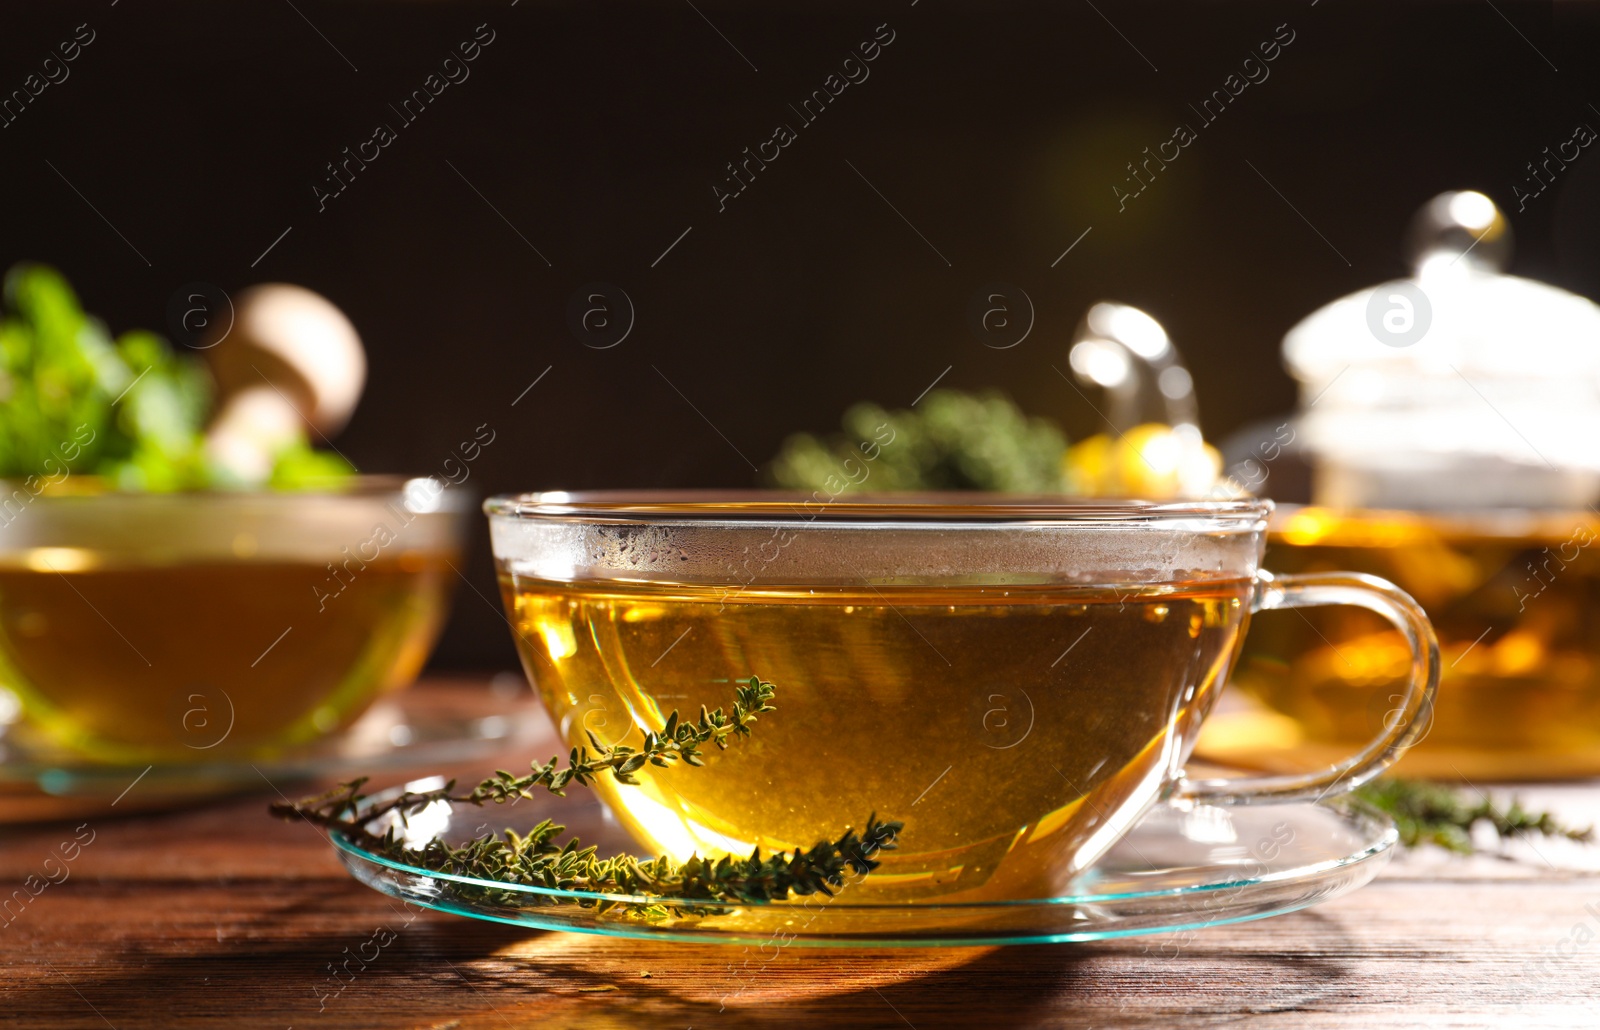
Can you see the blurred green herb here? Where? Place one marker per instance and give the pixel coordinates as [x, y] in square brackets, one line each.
[130, 410]
[1435, 813]
[538, 859]
[299, 466]
[950, 441]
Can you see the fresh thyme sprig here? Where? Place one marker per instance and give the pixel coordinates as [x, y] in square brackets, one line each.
[340, 807]
[538, 859]
[1436, 813]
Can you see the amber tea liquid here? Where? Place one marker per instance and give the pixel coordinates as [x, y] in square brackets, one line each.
[1002, 724]
[180, 662]
[1517, 611]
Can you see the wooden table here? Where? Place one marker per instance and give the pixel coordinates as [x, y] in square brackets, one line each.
[220, 916]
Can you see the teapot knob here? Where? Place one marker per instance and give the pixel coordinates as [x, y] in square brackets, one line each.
[1461, 226]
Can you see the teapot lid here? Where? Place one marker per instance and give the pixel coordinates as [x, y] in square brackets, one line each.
[1461, 368]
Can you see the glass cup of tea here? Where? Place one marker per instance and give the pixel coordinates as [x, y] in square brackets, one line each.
[193, 627]
[1016, 680]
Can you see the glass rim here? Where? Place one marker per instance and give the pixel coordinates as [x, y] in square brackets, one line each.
[769, 506]
[87, 489]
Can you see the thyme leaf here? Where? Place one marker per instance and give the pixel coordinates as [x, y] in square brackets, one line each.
[539, 858]
[1436, 813]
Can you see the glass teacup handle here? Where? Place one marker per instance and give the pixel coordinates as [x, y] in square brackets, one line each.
[1400, 728]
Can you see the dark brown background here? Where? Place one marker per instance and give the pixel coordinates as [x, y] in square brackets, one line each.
[598, 129]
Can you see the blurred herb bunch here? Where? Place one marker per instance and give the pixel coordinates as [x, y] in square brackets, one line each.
[951, 441]
[955, 440]
[130, 411]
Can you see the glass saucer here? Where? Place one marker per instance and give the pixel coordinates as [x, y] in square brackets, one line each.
[1178, 869]
[422, 726]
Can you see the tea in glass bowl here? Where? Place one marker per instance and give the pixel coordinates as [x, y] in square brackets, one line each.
[192, 627]
[1016, 682]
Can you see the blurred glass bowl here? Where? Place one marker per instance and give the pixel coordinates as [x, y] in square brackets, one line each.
[197, 626]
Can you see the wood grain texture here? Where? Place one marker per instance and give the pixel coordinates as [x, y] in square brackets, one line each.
[220, 916]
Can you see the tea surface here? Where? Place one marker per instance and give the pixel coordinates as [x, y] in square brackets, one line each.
[1022, 724]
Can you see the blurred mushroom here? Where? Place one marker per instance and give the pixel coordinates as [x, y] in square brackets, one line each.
[290, 359]
[247, 435]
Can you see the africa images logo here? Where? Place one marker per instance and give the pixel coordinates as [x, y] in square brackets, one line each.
[852, 70]
[452, 69]
[1252, 71]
